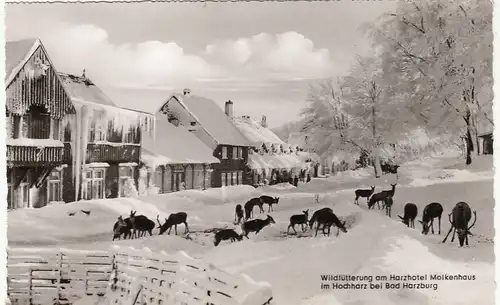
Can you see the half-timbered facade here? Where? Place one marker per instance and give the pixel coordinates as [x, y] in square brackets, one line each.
[102, 143]
[212, 126]
[174, 159]
[36, 103]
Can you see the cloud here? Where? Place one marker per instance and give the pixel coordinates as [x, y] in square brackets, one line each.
[286, 56]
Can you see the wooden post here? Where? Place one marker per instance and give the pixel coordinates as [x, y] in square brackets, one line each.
[59, 277]
[30, 287]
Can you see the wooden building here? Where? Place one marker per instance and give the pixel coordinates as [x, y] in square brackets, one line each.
[174, 159]
[36, 103]
[215, 129]
[486, 146]
[270, 160]
[102, 143]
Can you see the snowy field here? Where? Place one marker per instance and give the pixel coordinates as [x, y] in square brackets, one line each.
[374, 244]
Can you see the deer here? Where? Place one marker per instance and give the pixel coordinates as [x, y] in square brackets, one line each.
[388, 193]
[226, 234]
[328, 219]
[173, 220]
[144, 225]
[388, 201]
[132, 222]
[121, 227]
[316, 214]
[363, 193]
[300, 219]
[238, 214]
[255, 225]
[269, 201]
[249, 205]
[410, 213]
[376, 198]
[431, 211]
[459, 219]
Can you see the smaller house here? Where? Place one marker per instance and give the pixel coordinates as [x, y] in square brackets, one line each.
[270, 160]
[486, 143]
[174, 159]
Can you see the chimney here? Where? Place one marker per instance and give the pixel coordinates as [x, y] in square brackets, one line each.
[187, 92]
[246, 117]
[229, 108]
[264, 121]
[83, 74]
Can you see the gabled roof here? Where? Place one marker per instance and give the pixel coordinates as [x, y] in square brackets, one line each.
[174, 145]
[17, 54]
[213, 119]
[256, 133]
[81, 89]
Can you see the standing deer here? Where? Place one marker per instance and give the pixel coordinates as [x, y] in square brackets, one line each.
[238, 214]
[269, 201]
[144, 225]
[388, 193]
[255, 225]
[249, 205]
[376, 198]
[298, 220]
[388, 201]
[431, 211]
[363, 193]
[461, 215]
[121, 227]
[132, 222]
[173, 220]
[410, 213]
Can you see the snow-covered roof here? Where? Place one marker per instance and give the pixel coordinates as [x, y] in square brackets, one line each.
[173, 145]
[16, 53]
[82, 89]
[283, 161]
[213, 119]
[256, 133]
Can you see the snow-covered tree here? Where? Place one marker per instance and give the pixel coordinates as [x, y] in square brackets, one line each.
[440, 53]
[129, 189]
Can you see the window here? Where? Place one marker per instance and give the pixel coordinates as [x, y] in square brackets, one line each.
[18, 198]
[93, 184]
[240, 152]
[224, 152]
[96, 133]
[233, 180]
[223, 179]
[54, 186]
[235, 153]
[240, 177]
[125, 173]
[129, 136]
[158, 179]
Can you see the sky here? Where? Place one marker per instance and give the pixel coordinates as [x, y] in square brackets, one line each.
[262, 56]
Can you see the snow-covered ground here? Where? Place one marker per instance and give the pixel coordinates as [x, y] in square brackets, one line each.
[374, 244]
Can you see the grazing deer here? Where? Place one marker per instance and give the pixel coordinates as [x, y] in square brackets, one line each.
[363, 193]
[328, 219]
[461, 215]
[144, 225]
[249, 205]
[388, 201]
[410, 214]
[299, 220]
[269, 201]
[173, 220]
[316, 214]
[226, 234]
[121, 227]
[431, 211]
[255, 225]
[238, 214]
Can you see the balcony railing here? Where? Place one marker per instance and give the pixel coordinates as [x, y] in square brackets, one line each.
[33, 155]
[106, 152]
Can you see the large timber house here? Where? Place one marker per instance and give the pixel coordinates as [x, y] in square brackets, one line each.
[36, 103]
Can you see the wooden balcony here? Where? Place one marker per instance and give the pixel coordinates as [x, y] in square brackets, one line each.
[30, 156]
[106, 153]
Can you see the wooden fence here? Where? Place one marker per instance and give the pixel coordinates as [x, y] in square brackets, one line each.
[125, 276]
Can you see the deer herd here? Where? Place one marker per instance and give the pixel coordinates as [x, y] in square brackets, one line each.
[139, 225]
[459, 217]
